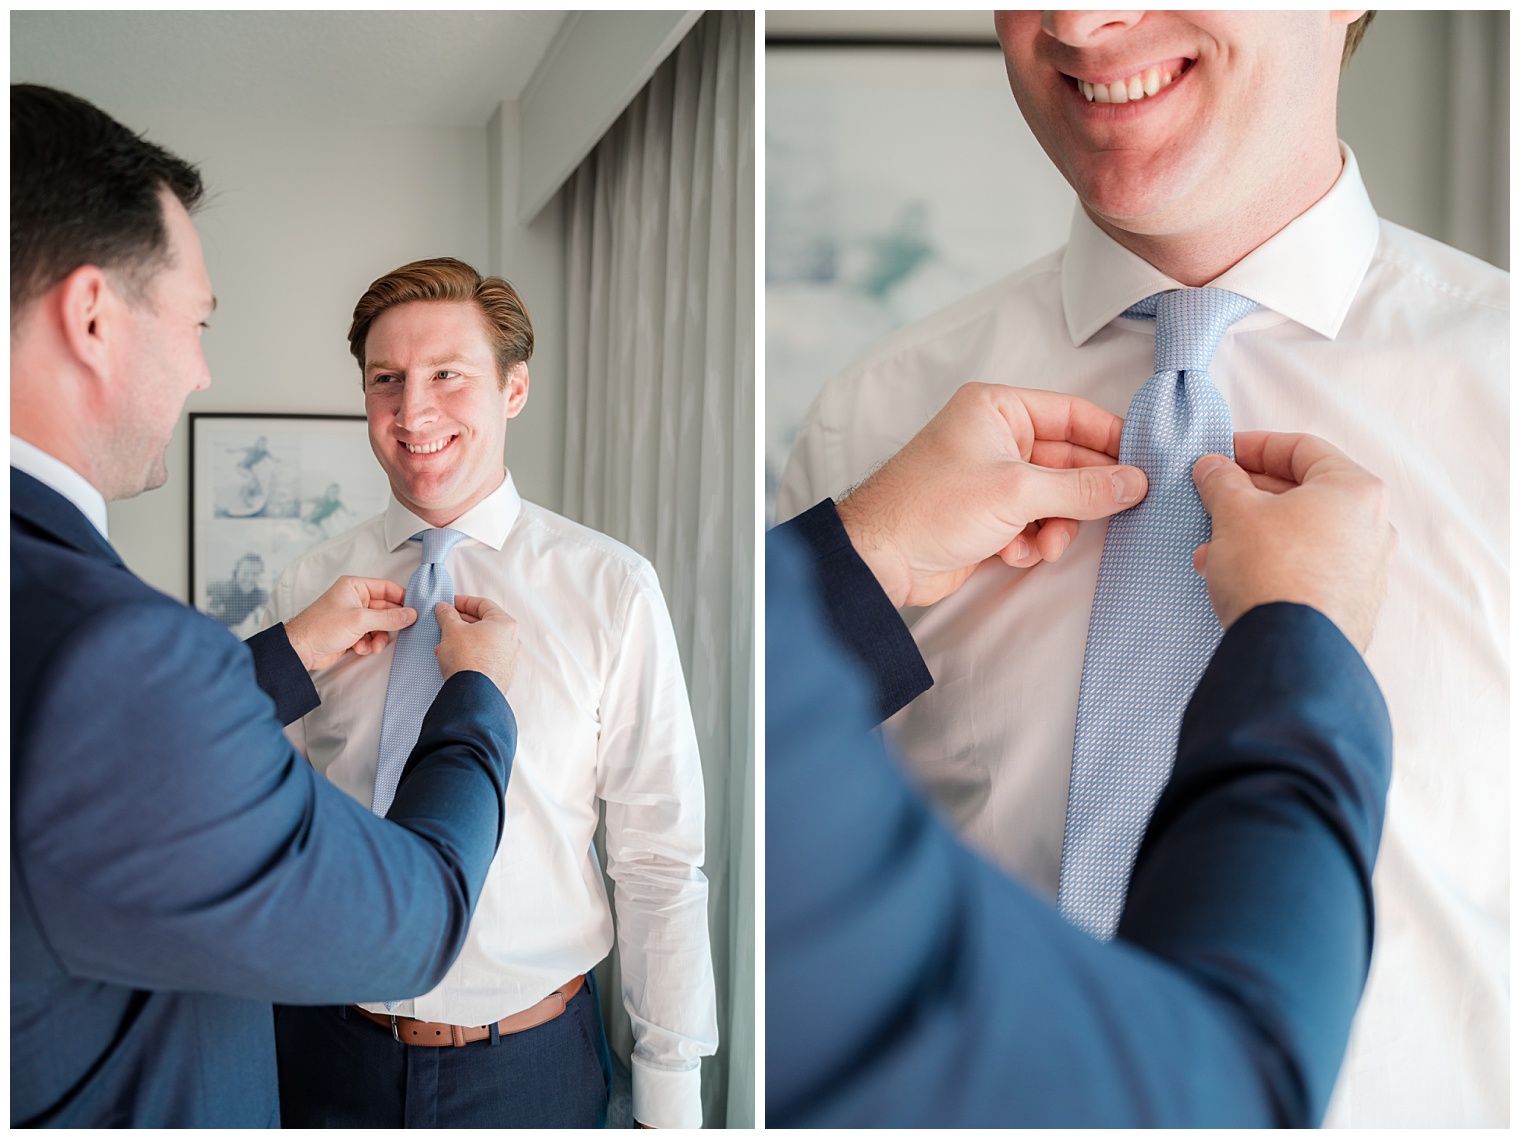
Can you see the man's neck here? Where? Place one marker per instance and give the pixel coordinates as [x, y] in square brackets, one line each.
[1194, 257]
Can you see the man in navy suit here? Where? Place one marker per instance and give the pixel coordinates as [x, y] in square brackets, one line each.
[909, 981]
[175, 864]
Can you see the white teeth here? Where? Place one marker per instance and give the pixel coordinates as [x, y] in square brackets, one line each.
[1136, 87]
[430, 448]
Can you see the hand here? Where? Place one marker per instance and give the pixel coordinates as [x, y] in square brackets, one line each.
[1295, 520]
[999, 470]
[356, 613]
[478, 636]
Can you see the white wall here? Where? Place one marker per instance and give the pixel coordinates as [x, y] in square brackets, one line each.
[531, 256]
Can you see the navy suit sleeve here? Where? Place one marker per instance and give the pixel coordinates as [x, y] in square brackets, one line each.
[860, 614]
[281, 674]
[909, 982]
[173, 838]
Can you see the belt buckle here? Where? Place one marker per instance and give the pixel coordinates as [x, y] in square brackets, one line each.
[395, 1032]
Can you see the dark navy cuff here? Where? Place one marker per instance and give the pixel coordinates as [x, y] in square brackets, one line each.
[860, 612]
[281, 674]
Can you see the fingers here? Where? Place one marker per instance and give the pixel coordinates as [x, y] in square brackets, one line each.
[1055, 535]
[1083, 493]
[1063, 455]
[1270, 483]
[1071, 419]
[1022, 552]
[371, 643]
[389, 618]
[1218, 480]
[477, 608]
[1291, 457]
[378, 592]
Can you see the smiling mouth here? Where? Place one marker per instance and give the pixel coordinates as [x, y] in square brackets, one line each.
[1133, 88]
[429, 448]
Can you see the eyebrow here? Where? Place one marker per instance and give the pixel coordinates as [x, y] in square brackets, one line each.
[386, 366]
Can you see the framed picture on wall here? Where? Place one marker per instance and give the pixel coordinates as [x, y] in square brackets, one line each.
[264, 489]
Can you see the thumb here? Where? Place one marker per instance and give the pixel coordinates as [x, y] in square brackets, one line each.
[448, 616]
[1081, 493]
[1218, 480]
[388, 619]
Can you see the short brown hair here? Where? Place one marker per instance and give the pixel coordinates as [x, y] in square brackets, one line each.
[449, 279]
[1354, 33]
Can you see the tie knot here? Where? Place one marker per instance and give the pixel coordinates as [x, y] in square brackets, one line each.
[1189, 324]
[436, 544]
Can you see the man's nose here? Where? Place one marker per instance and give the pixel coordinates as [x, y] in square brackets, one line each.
[1087, 29]
[418, 407]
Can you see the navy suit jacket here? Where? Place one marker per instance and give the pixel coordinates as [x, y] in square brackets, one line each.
[176, 865]
[910, 982]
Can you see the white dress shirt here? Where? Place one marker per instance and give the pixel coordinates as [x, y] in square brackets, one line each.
[602, 714]
[1394, 348]
[63, 478]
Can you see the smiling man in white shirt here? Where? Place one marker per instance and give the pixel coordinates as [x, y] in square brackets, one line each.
[513, 1036]
[1202, 147]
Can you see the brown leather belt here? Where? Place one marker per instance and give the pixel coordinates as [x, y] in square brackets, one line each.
[427, 1034]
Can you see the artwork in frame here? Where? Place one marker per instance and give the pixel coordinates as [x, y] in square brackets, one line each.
[264, 489]
[899, 179]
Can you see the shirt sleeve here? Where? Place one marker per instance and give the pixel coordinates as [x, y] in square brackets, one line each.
[649, 774]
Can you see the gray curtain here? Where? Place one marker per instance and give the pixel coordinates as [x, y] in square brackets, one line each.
[1425, 105]
[1477, 118]
[659, 444]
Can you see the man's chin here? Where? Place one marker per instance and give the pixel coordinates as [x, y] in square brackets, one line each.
[155, 477]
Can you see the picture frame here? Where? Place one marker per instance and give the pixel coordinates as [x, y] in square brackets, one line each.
[264, 489]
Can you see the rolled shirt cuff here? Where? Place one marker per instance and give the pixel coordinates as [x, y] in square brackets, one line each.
[663, 1098]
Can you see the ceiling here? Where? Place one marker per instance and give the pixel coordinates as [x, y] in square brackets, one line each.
[439, 68]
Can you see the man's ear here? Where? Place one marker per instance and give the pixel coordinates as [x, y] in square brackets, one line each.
[90, 313]
[516, 389]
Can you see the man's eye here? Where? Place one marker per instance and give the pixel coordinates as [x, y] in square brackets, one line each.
[446, 375]
[381, 380]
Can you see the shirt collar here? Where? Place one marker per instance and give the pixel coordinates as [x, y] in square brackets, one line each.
[488, 521]
[1309, 271]
[62, 478]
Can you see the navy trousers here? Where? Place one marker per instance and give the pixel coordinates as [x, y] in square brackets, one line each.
[338, 1069]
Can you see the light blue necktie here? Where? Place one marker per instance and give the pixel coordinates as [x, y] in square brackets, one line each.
[1152, 630]
[415, 679]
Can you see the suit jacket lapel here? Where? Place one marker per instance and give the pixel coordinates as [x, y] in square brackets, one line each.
[44, 510]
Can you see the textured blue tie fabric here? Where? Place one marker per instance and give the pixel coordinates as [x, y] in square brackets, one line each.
[1152, 630]
[415, 679]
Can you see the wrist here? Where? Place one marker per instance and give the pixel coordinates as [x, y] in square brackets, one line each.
[876, 549]
[295, 633]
